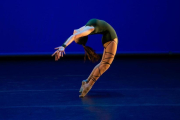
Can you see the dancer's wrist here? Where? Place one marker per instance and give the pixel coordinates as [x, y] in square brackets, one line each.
[63, 45]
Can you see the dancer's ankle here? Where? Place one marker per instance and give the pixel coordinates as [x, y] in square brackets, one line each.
[91, 82]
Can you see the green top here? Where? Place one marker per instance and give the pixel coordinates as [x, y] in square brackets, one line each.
[102, 27]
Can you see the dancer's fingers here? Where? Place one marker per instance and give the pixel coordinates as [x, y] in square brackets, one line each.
[55, 57]
[64, 52]
[56, 48]
[59, 55]
[54, 53]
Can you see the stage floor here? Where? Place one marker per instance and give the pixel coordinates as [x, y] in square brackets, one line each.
[131, 89]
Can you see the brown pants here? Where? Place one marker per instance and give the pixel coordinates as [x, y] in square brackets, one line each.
[110, 49]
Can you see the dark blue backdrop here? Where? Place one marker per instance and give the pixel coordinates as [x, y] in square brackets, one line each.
[36, 27]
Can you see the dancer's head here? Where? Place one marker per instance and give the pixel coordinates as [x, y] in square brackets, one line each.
[92, 56]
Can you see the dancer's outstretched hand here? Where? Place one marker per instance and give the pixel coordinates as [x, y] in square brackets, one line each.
[59, 52]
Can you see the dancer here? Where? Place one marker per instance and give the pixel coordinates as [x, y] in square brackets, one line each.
[80, 36]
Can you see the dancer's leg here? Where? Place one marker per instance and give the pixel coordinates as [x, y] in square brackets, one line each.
[93, 71]
[107, 59]
[96, 67]
[87, 80]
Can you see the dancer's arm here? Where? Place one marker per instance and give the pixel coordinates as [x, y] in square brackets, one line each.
[84, 31]
[80, 29]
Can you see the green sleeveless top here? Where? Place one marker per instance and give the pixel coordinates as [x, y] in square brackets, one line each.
[100, 27]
